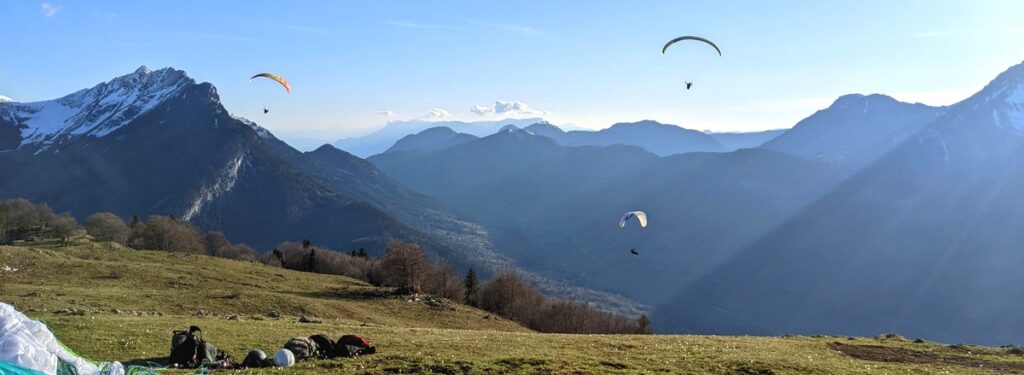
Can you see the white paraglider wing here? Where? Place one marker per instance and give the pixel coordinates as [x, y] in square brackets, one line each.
[29, 344]
[639, 215]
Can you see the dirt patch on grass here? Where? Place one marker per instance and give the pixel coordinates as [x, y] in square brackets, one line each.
[614, 365]
[518, 363]
[751, 370]
[900, 355]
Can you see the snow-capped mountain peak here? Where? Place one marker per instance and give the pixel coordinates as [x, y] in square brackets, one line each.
[1002, 100]
[4, 99]
[95, 111]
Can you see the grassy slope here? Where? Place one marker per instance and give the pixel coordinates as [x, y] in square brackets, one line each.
[158, 292]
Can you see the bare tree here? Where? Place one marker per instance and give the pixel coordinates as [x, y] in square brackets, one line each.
[63, 227]
[444, 281]
[20, 219]
[404, 265]
[165, 233]
[508, 295]
[215, 243]
[106, 226]
[239, 252]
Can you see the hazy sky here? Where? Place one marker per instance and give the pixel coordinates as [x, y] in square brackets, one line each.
[356, 65]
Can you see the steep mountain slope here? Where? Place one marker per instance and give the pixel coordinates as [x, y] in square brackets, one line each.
[925, 241]
[653, 136]
[160, 143]
[430, 139]
[183, 154]
[97, 111]
[379, 141]
[855, 129]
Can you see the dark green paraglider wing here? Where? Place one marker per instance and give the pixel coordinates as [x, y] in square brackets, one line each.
[697, 38]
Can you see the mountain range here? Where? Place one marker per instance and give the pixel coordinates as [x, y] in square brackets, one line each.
[661, 139]
[869, 216]
[381, 139]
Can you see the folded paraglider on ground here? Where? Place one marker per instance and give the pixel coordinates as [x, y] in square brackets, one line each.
[28, 347]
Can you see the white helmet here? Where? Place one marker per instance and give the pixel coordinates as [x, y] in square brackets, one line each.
[284, 358]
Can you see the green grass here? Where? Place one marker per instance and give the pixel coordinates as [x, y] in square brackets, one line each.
[157, 292]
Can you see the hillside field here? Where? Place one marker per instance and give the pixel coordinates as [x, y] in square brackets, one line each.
[110, 303]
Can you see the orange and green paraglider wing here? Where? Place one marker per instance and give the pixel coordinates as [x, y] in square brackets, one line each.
[279, 79]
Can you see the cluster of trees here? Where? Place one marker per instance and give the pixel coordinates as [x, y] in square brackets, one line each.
[508, 295]
[407, 267]
[404, 266]
[23, 220]
[167, 234]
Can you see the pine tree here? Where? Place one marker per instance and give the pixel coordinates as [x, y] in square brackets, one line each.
[311, 264]
[135, 222]
[471, 285]
[644, 325]
[362, 253]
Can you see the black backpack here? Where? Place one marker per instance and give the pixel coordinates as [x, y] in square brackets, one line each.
[256, 359]
[324, 346]
[189, 350]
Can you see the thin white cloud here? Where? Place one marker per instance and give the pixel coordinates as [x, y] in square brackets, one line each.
[50, 10]
[507, 108]
[386, 113]
[437, 113]
[481, 110]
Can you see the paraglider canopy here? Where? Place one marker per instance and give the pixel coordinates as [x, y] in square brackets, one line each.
[689, 37]
[639, 215]
[275, 77]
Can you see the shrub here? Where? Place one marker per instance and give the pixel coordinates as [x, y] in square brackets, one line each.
[106, 226]
[168, 234]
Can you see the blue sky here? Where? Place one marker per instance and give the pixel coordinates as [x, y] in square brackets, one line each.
[357, 65]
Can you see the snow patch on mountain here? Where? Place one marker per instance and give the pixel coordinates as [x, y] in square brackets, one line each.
[95, 111]
[260, 131]
[4, 99]
[221, 185]
[1014, 110]
[1004, 97]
